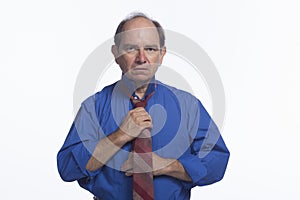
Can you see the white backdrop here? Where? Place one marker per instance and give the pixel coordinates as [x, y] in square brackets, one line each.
[255, 46]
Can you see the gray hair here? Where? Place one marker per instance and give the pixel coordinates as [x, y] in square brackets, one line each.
[120, 29]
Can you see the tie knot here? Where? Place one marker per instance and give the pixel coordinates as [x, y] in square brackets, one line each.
[140, 103]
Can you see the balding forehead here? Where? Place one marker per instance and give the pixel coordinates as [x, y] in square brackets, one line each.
[140, 36]
[138, 22]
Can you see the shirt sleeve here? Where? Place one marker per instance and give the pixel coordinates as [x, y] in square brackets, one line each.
[206, 159]
[79, 145]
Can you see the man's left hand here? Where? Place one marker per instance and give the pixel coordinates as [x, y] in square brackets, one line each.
[160, 164]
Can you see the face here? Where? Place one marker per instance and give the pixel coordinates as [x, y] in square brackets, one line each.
[139, 53]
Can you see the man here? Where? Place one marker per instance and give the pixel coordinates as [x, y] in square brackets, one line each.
[99, 149]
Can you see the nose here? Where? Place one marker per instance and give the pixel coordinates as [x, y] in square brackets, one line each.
[141, 57]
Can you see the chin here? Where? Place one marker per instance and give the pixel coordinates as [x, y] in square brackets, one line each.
[139, 78]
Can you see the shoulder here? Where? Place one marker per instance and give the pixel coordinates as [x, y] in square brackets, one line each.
[174, 92]
[100, 96]
[106, 91]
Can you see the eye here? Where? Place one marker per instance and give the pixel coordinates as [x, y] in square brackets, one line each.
[151, 49]
[130, 49]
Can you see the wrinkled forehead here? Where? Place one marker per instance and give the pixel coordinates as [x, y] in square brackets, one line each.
[139, 36]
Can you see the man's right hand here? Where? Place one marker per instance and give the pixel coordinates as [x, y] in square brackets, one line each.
[135, 122]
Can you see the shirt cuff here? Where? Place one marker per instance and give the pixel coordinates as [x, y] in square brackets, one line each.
[82, 154]
[194, 168]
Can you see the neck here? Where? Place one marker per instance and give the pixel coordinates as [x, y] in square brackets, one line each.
[138, 87]
[140, 91]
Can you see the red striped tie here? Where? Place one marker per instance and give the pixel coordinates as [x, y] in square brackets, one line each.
[142, 161]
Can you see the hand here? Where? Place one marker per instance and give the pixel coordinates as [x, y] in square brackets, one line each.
[160, 165]
[135, 122]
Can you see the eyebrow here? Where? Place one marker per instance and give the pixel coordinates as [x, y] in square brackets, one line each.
[146, 46]
[130, 45]
[152, 46]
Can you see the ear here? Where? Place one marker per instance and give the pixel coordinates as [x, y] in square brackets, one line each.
[115, 52]
[163, 52]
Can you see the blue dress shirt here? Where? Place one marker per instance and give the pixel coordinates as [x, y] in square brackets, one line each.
[182, 129]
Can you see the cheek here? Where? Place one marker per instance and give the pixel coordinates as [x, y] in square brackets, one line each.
[129, 60]
[160, 58]
[154, 59]
[125, 63]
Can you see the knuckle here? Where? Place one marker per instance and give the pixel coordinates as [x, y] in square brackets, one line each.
[135, 119]
[133, 116]
[138, 109]
[140, 124]
[131, 113]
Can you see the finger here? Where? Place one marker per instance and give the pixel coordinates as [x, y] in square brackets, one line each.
[142, 118]
[127, 169]
[128, 173]
[126, 166]
[138, 113]
[138, 109]
[141, 113]
[146, 124]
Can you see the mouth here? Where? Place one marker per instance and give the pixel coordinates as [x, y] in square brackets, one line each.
[140, 69]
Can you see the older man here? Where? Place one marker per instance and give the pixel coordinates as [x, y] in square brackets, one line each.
[139, 138]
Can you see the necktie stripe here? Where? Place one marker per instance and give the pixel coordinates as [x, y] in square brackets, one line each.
[142, 164]
[136, 196]
[144, 193]
[144, 180]
[142, 146]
